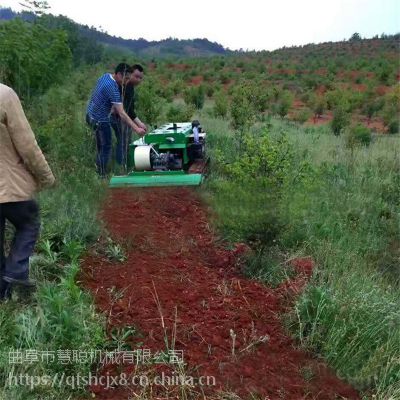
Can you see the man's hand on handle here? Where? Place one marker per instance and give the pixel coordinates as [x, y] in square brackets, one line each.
[140, 131]
[137, 125]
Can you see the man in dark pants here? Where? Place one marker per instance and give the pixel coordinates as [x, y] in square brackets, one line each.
[24, 215]
[106, 98]
[24, 171]
[122, 131]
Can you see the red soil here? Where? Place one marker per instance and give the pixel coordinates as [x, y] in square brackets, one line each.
[196, 80]
[320, 90]
[323, 119]
[179, 67]
[178, 273]
[376, 124]
[298, 104]
[321, 72]
[382, 90]
[358, 87]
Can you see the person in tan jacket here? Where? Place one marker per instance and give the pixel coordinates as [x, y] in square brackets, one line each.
[23, 172]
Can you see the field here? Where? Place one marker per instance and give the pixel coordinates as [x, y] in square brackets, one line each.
[279, 276]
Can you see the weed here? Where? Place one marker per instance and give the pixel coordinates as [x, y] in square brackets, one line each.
[115, 251]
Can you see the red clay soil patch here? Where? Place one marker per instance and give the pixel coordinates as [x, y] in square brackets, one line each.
[375, 124]
[358, 87]
[196, 80]
[323, 119]
[179, 67]
[320, 90]
[180, 281]
[382, 90]
[298, 104]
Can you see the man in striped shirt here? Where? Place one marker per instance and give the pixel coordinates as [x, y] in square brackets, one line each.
[106, 98]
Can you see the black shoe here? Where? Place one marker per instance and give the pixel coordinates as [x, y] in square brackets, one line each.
[22, 282]
[5, 290]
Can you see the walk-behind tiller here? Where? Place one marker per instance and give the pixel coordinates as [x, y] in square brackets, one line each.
[172, 155]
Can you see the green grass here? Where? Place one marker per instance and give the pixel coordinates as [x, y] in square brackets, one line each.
[341, 206]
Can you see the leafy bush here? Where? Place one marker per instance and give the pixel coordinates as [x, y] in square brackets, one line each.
[302, 115]
[341, 119]
[263, 160]
[391, 108]
[195, 96]
[149, 104]
[210, 90]
[394, 126]
[179, 113]
[242, 110]
[318, 104]
[221, 105]
[358, 134]
[372, 106]
[283, 104]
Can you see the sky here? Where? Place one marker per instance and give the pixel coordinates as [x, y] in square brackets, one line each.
[244, 24]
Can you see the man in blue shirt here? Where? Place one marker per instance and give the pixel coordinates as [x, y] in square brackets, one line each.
[122, 131]
[106, 98]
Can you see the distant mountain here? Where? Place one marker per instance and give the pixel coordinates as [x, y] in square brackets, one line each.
[164, 48]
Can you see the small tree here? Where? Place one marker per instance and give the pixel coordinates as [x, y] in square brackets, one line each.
[341, 119]
[221, 105]
[393, 126]
[284, 103]
[242, 110]
[391, 107]
[180, 113]
[318, 104]
[37, 7]
[195, 96]
[149, 104]
[358, 135]
[355, 37]
[242, 113]
[302, 115]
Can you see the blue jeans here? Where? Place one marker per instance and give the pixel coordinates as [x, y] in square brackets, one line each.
[24, 215]
[102, 131]
[123, 133]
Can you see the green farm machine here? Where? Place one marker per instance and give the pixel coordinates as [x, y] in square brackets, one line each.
[171, 155]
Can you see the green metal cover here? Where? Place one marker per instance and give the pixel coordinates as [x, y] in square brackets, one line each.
[150, 180]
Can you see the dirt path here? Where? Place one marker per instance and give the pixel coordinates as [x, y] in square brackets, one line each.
[180, 284]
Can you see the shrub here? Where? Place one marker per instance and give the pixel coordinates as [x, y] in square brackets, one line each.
[341, 119]
[195, 96]
[393, 126]
[371, 107]
[284, 103]
[302, 115]
[210, 90]
[149, 104]
[391, 108]
[221, 105]
[358, 134]
[242, 111]
[178, 113]
[318, 105]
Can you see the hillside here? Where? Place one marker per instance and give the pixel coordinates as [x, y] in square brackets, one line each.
[169, 47]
